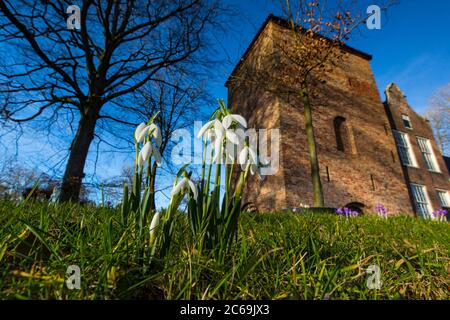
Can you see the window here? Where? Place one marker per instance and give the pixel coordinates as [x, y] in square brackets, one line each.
[406, 121]
[328, 175]
[372, 179]
[421, 200]
[404, 148]
[340, 132]
[428, 155]
[443, 198]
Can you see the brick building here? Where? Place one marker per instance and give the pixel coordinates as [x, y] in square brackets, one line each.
[368, 152]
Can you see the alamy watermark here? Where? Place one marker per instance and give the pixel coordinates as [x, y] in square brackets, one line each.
[74, 277]
[74, 19]
[374, 19]
[374, 280]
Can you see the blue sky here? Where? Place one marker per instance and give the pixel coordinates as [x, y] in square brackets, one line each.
[412, 49]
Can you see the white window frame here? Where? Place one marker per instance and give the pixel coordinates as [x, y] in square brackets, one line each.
[426, 144]
[446, 203]
[408, 149]
[422, 202]
[407, 118]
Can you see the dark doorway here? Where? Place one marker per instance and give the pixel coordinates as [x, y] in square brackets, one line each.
[356, 206]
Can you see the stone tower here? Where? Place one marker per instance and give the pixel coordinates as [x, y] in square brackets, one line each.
[358, 158]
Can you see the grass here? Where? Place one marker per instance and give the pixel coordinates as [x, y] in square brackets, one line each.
[277, 256]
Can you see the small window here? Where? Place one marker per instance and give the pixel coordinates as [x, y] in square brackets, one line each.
[404, 148]
[406, 121]
[421, 200]
[340, 133]
[444, 198]
[328, 175]
[428, 154]
[372, 179]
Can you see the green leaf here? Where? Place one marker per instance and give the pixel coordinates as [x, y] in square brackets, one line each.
[37, 232]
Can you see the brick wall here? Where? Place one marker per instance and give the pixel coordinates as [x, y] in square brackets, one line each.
[396, 106]
[366, 170]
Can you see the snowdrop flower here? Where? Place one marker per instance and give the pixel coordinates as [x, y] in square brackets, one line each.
[156, 133]
[206, 129]
[222, 129]
[213, 131]
[247, 158]
[157, 156]
[153, 225]
[146, 152]
[228, 120]
[216, 131]
[140, 132]
[185, 184]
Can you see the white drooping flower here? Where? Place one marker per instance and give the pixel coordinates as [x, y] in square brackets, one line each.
[153, 225]
[140, 132]
[205, 129]
[147, 151]
[227, 121]
[247, 158]
[183, 185]
[214, 132]
[156, 133]
[157, 155]
[145, 154]
[230, 134]
[219, 132]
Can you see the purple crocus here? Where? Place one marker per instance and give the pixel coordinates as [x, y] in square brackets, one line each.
[346, 212]
[381, 210]
[440, 214]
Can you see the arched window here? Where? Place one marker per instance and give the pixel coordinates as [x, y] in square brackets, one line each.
[340, 131]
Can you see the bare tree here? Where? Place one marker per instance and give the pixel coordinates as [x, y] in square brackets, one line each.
[18, 178]
[86, 75]
[20, 181]
[178, 100]
[438, 113]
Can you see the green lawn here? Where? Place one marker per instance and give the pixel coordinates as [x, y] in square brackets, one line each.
[277, 256]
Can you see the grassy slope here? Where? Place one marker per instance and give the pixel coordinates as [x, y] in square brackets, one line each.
[278, 256]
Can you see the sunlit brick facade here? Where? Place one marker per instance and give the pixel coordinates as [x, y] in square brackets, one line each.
[355, 132]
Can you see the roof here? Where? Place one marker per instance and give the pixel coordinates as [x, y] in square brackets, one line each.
[284, 23]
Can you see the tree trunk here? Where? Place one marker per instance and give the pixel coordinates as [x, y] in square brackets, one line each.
[314, 162]
[73, 176]
[152, 186]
